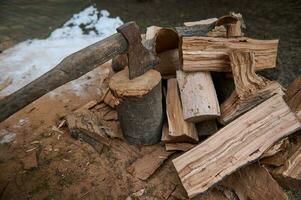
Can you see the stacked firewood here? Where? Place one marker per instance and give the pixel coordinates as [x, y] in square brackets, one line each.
[240, 146]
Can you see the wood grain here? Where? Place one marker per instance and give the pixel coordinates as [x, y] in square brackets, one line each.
[212, 54]
[179, 129]
[198, 96]
[240, 142]
[250, 88]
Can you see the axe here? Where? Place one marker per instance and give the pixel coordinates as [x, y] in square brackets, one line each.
[126, 40]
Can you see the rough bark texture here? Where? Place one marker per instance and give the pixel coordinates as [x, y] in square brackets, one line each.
[140, 109]
[250, 88]
[71, 68]
[212, 54]
[241, 142]
[179, 129]
[198, 96]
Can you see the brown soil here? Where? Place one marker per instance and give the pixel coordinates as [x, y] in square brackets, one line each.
[71, 169]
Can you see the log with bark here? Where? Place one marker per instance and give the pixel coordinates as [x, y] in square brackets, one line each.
[140, 109]
[250, 88]
[212, 54]
[198, 96]
[242, 141]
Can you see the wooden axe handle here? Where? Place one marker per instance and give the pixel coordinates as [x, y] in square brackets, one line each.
[71, 68]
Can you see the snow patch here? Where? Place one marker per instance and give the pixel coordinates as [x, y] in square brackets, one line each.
[6, 136]
[30, 59]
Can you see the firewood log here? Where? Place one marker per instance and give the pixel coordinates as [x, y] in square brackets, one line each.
[242, 141]
[198, 95]
[212, 54]
[140, 109]
[179, 129]
[250, 88]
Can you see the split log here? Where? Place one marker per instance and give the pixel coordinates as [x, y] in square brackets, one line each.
[232, 23]
[179, 129]
[140, 109]
[289, 175]
[84, 124]
[237, 144]
[217, 31]
[212, 54]
[254, 182]
[198, 95]
[145, 166]
[179, 146]
[250, 88]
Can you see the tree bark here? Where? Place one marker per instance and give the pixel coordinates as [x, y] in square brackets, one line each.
[140, 109]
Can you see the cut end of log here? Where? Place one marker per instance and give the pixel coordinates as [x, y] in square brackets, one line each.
[122, 86]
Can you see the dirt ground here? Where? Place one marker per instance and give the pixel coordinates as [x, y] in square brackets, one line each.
[71, 169]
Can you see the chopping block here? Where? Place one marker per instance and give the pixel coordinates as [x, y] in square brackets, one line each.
[138, 89]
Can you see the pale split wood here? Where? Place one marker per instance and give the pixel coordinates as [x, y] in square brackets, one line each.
[121, 86]
[250, 88]
[179, 129]
[212, 54]
[198, 96]
[237, 144]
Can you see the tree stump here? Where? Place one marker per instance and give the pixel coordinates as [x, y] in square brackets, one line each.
[140, 109]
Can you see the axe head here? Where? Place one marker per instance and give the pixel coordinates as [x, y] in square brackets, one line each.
[140, 60]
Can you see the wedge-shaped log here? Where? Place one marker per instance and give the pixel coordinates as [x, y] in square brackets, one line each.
[254, 182]
[250, 88]
[212, 54]
[179, 129]
[198, 95]
[237, 144]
